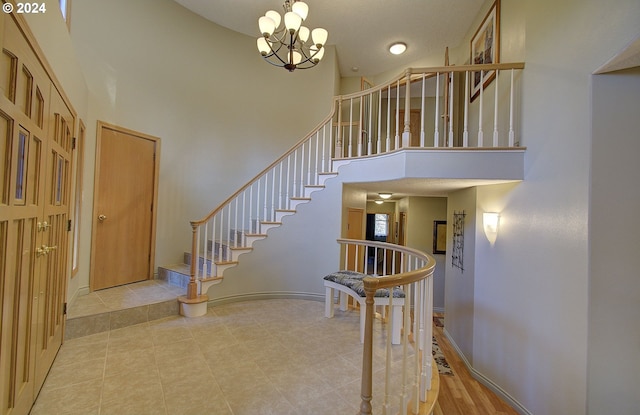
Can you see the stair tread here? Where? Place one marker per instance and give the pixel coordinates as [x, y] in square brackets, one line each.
[241, 248]
[300, 198]
[268, 222]
[319, 186]
[214, 278]
[179, 268]
[226, 262]
[326, 173]
[286, 210]
[255, 234]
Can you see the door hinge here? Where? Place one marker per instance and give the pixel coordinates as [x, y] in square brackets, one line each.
[69, 225]
[73, 143]
[64, 309]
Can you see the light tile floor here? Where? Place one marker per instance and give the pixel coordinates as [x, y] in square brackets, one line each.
[257, 357]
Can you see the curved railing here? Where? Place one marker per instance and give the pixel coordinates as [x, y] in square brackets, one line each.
[397, 267]
[442, 107]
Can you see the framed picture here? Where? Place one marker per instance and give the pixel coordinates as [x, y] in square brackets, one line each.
[439, 236]
[485, 49]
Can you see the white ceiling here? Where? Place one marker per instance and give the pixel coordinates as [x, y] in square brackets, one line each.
[361, 30]
[420, 187]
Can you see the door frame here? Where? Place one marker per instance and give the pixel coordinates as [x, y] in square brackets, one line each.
[96, 192]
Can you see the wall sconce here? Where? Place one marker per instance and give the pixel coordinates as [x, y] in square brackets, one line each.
[491, 220]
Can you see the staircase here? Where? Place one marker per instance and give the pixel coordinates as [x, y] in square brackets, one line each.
[359, 125]
[223, 251]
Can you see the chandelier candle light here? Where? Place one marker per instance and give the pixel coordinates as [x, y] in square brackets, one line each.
[288, 46]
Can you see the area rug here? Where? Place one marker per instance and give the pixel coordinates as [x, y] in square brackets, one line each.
[438, 321]
[441, 362]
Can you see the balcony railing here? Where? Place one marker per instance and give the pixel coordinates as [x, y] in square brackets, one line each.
[406, 384]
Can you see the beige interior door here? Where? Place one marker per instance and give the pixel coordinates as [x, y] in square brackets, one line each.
[36, 130]
[125, 192]
[415, 121]
[355, 230]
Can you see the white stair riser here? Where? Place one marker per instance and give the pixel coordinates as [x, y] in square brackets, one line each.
[294, 203]
[322, 178]
[249, 240]
[264, 227]
[221, 268]
[235, 253]
[308, 190]
[281, 214]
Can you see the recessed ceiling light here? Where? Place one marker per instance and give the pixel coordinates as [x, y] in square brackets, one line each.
[398, 48]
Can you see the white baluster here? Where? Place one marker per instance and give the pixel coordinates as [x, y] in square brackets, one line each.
[495, 113]
[309, 167]
[351, 128]
[370, 132]
[213, 242]
[436, 133]
[360, 124]
[296, 186]
[324, 168]
[266, 199]
[511, 133]
[423, 110]
[287, 194]
[220, 254]
[388, 118]
[251, 208]
[273, 195]
[242, 227]
[204, 249]
[397, 141]
[302, 183]
[379, 141]
[480, 133]
[451, 110]
[235, 224]
[465, 133]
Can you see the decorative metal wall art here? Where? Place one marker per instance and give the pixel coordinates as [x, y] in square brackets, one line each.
[457, 254]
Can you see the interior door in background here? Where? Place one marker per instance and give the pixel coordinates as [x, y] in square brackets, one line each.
[125, 194]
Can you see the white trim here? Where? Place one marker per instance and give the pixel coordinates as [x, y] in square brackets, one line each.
[513, 402]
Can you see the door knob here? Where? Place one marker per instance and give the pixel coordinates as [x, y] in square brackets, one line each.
[101, 218]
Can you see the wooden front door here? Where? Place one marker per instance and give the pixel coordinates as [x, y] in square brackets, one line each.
[124, 207]
[36, 145]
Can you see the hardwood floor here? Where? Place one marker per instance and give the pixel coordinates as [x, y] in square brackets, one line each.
[461, 394]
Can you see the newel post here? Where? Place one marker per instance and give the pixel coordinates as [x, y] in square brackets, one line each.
[366, 389]
[193, 304]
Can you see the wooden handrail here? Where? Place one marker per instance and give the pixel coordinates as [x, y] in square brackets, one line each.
[416, 73]
[371, 285]
[326, 120]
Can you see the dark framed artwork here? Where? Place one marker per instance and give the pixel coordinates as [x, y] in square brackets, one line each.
[439, 236]
[485, 49]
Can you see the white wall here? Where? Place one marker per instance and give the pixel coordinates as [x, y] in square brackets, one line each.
[614, 290]
[221, 112]
[421, 212]
[531, 293]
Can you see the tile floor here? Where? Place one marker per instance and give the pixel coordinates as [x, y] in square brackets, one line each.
[257, 357]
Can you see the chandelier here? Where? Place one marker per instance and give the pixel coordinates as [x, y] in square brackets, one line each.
[288, 46]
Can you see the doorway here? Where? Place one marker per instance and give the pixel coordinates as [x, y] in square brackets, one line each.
[124, 213]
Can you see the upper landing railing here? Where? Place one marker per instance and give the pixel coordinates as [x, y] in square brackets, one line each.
[471, 106]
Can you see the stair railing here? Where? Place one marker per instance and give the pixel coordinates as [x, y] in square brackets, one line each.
[224, 233]
[370, 122]
[396, 267]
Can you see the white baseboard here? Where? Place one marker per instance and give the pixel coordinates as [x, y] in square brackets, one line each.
[488, 382]
[265, 296]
